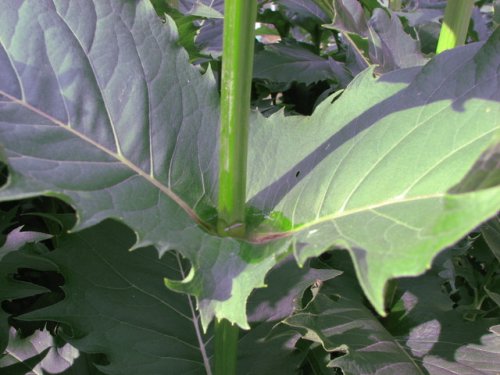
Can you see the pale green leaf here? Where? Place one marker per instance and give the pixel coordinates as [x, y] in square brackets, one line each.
[374, 171]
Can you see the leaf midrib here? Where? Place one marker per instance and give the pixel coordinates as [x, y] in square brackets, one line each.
[265, 237]
[119, 157]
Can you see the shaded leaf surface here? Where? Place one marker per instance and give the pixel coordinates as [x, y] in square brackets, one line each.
[491, 233]
[260, 354]
[286, 284]
[390, 46]
[436, 331]
[424, 334]
[304, 9]
[337, 319]
[11, 288]
[17, 238]
[292, 62]
[116, 304]
[349, 17]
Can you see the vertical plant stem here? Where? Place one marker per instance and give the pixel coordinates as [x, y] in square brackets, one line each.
[226, 348]
[237, 65]
[455, 24]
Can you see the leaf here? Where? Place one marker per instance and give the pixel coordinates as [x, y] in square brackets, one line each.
[107, 114]
[337, 319]
[118, 109]
[437, 332]
[209, 39]
[349, 18]
[9, 287]
[260, 354]
[391, 160]
[100, 107]
[390, 46]
[304, 9]
[286, 284]
[202, 10]
[185, 25]
[471, 359]
[491, 233]
[16, 239]
[484, 173]
[116, 304]
[191, 21]
[423, 334]
[38, 352]
[481, 31]
[422, 15]
[22, 367]
[289, 62]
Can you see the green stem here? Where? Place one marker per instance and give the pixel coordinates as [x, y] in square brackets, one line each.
[237, 64]
[226, 347]
[455, 24]
[236, 83]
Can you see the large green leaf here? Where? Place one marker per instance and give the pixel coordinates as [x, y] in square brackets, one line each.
[100, 107]
[374, 172]
[116, 304]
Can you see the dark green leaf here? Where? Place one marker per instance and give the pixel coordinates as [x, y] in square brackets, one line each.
[390, 47]
[116, 304]
[289, 62]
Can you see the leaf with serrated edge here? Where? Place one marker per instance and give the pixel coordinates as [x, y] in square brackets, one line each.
[128, 127]
[100, 107]
[115, 304]
[375, 177]
[128, 130]
[423, 334]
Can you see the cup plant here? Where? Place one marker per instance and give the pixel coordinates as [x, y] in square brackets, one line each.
[181, 232]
